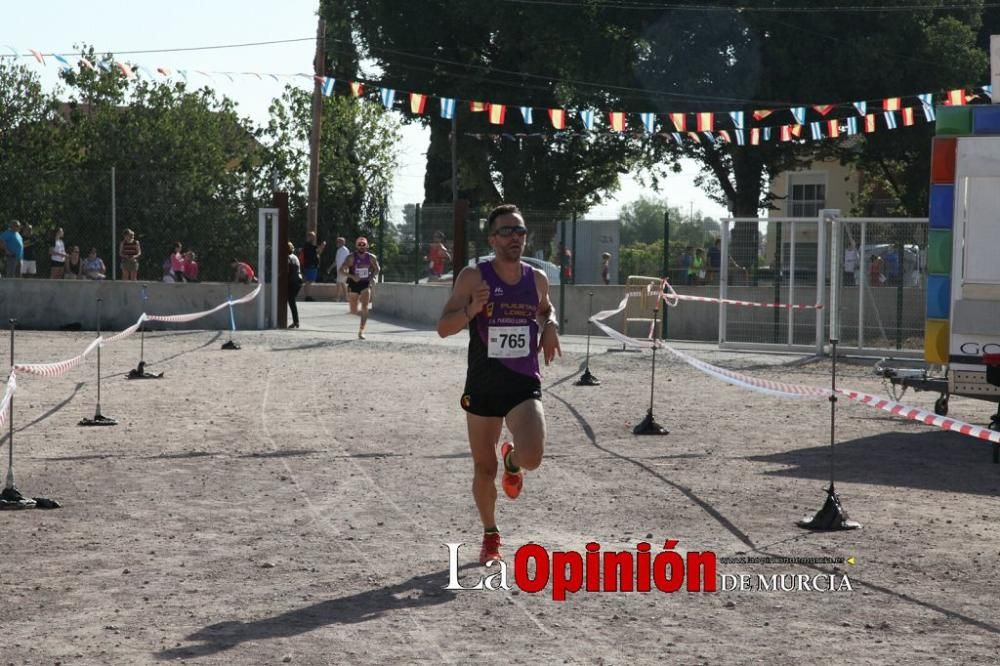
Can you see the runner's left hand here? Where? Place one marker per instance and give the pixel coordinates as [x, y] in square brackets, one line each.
[550, 343]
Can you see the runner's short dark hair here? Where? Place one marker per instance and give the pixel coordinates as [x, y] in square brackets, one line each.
[502, 209]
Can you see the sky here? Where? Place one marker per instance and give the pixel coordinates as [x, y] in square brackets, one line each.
[55, 26]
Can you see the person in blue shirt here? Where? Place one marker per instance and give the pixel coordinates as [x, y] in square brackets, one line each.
[13, 246]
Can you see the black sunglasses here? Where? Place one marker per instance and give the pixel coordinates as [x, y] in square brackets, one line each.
[510, 230]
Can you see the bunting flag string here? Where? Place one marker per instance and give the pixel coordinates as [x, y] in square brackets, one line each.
[823, 121]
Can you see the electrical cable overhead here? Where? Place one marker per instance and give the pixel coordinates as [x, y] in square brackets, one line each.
[636, 5]
[213, 47]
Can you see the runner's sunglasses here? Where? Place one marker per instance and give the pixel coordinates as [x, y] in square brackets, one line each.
[509, 230]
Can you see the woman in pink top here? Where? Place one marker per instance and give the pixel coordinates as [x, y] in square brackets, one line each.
[190, 266]
[177, 263]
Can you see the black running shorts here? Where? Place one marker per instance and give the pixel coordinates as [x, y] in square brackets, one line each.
[358, 286]
[497, 404]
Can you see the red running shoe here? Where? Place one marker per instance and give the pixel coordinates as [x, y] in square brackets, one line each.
[512, 483]
[491, 548]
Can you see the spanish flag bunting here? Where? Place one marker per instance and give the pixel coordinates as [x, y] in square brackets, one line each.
[754, 136]
[870, 123]
[833, 128]
[38, 56]
[891, 104]
[165, 71]
[477, 107]
[956, 97]
[357, 88]
[126, 70]
[86, 63]
[796, 130]
[823, 109]
[617, 120]
[706, 122]
[417, 102]
[724, 136]
[786, 133]
[679, 120]
[760, 114]
[558, 118]
[908, 116]
[497, 113]
[694, 137]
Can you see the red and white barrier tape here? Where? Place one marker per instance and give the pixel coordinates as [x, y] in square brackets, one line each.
[5, 403]
[182, 318]
[58, 368]
[128, 331]
[674, 296]
[800, 391]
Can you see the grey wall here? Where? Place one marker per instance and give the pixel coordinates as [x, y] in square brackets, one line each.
[53, 304]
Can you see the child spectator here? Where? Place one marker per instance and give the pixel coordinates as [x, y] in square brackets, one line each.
[191, 266]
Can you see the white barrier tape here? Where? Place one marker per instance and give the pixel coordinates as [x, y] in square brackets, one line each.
[181, 318]
[785, 390]
[729, 301]
[58, 368]
[5, 403]
[127, 332]
[928, 418]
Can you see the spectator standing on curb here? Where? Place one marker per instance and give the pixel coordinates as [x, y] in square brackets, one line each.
[57, 255]
[437, 255]
[294, 284]
[606, 268]
[130, 251]
[339, 259]
[28, 265]
[311, 254]
[191, 266]
[177, 262]
[13, 245]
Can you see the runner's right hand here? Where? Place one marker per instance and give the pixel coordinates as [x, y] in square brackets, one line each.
[480, 297]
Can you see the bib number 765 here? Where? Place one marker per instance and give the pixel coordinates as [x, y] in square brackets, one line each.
[509, 341]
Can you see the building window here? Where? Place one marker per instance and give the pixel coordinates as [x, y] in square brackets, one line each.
[807, 199]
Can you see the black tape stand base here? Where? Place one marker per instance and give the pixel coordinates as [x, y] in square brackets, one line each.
[98, 420]
[587, 379]
[140, 373]
[12, 499]
[831, 517]
[230, 345]
[649, 426]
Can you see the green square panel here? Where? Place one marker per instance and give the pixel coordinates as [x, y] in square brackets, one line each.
[954, 120]
[939, 252]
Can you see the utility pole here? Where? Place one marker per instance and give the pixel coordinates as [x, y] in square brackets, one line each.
[319, 65]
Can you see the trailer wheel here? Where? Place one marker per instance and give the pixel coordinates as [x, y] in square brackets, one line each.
[941, 406]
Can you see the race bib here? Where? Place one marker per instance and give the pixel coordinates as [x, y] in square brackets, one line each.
[361, 273]
[509, 341]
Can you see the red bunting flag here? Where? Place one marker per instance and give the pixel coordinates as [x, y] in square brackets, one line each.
[357, 88]
[126, 71]
[796, 131]
[476, 107]
[956, 97]
[679, 120]
[755, 136]
[558, 118]
[892, 104]
[617, 120]
[833, 128]
[86, 63]
[823, 109]
[870, 123]
[166, 71]
[706, 122]
[761, 114]
[497, 113]
[786, 133]
[417, 102]
[908, 116]
[695, 137]
[724, 135]
[38, 56]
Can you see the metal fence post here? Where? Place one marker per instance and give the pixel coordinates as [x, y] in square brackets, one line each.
[416, 247]
[666, 266]
[562, 274]
[822, 260]
[114, 228]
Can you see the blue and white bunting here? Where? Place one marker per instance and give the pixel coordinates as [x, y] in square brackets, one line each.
[741, 137]
[890, 119]
[927, 102]
[62, 61]
[852, 126]
[861, 107]
[799, 113]
[677, 137]
[817, 131]
[526, 113]
[388, 97]
[587, 116]
[737, 117]
[648, 121]
[767, 134]
[328, 83]
[447, 108]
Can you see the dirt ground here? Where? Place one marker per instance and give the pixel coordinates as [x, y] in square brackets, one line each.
[290, 502]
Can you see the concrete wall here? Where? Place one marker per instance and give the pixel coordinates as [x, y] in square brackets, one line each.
[44, 304]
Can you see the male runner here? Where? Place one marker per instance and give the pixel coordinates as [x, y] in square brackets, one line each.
[507, 303]
[360, 267]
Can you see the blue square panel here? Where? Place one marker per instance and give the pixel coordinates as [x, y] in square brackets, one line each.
[938, 296]
[942, 206]
[986, 119]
